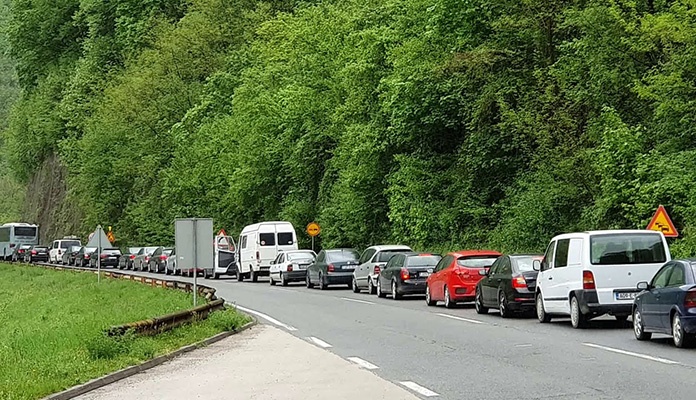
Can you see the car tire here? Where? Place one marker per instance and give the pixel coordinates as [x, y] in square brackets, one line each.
[428, 299]
[542, 316]
[308, 281]
[283, 280]
[380, 293]
[448, 300]
[577, 318]
[639, 327]
[503, 305]
[354, 286]
[478, 302]
[254, 276]
[322, 284]
[395, 294]
[680, 338]
[371, 285]
[271, 281]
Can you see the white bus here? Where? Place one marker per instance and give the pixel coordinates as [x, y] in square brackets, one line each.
[14, 234]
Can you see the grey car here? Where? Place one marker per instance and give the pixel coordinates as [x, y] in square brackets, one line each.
[143, 258]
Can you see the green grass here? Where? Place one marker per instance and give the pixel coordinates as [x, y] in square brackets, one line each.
[51, 325]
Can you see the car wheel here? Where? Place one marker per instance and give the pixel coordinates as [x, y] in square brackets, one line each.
[679, 336]
[254, 276]
[308, 281]
[428, 300]
[478, 302]
[356, 288]
[448, 300]
[541, 312]
[379, 290]
[577, 319]
[503, 305]
[271, 281]
[372, 286]
[283, 280]
[395, 294]
[322, 284]
[638, 327]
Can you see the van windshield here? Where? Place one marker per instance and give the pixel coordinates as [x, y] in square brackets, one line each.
[627, 249]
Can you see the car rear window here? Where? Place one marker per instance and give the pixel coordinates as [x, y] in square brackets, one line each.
[40, 248]
[111, 251]
[65, 244]
[150, 250]
[423, 261]
[476, 261]
[167, 252]
[627, 249]
[90, 249]
[386, 255]
[525, 264]
[300, 256]
[284, 238]
[267, 239]
[134, 250]
[342, 255]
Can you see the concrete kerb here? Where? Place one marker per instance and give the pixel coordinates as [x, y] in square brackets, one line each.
[135, 369]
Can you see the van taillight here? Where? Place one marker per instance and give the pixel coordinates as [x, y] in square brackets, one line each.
[330, 268]
[377, 269]
[405, 275]
[519, 282]
[690, 299]
[588, 282]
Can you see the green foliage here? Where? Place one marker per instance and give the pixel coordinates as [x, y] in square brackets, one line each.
[442, 124]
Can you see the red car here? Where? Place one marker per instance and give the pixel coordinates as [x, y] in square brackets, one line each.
[456, 275]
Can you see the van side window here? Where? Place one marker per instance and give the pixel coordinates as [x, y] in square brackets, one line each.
[547, 262]
[561, 259]
[284, 238]
[267, 239]
[575, 252]
[244, 242]
[55, 244]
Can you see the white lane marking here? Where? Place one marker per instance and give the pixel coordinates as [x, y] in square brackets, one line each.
[473, 321]
[523, 345]
[362, 363]
[630, 353]
[419, 389]
[267, 318]
[356, 300]
[319, 342]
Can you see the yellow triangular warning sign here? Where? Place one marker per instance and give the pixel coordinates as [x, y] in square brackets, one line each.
[662, 223]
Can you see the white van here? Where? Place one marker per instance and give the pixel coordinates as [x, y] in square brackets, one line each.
[60, 246]
[259, 245]
[587, 274]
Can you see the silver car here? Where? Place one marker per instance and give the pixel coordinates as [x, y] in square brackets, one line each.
[372, 260]
[143, 258]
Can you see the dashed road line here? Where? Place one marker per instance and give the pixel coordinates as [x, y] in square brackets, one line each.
[630, 353]
[319, 342]
[267, 318]
[362, 363]
[473, 321]
[356, 300]
[419, 389]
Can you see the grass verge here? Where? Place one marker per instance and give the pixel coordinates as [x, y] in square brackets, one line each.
[51, 325]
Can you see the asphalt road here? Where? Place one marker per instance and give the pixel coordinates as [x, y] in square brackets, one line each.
[458, 354]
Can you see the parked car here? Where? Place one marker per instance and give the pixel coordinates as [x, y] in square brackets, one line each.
[587, 274]
[127, 256]
[68, 257]
[58, 247]
[291, 266]
[158, 260]
[36, 254]
[19, 251]
[668, 304]
[82, 256]
[406, 274]
[372, 260]
[107, 258]
[509, 285]
[259, 245]
[456, 275]
[142, 258]
[332, 267]
[170, 267]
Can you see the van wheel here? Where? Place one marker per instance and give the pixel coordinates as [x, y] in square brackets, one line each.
[577, 319]
[541, 312]
[216, 275]
[356, 288]
[254, 276]
[240, 277]
[308, 281]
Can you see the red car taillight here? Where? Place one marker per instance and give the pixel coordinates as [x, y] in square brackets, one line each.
[103, 255]
[330, 268]
[33, 252]
[519, 282]
[163, 257]
[405, 275]
[690, 299]
[290, 268]
[588, 282]
[132, 256]
[86, 256]
[21, 251]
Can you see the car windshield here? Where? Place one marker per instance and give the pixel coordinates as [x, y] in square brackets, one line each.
[625, 248]
[342, 255]
[526, 263]
[476, 261]
[65, 244]
[306, 255]
[386, 255]
[423, 261]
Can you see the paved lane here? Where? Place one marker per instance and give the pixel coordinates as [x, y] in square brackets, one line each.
[459, 354]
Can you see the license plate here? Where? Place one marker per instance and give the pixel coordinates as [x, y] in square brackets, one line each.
[626, 296]
[424, 274]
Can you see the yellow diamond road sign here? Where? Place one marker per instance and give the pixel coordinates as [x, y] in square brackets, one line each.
[313, 229]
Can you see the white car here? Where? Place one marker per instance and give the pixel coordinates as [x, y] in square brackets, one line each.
[588, 274]
[60, 246]
[371, 261]
[291, 266]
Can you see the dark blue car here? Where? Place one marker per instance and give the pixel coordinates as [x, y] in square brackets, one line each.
[668, 304]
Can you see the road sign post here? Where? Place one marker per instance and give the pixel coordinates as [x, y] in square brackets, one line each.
[313, 229]
[661, 222]
[194, 247]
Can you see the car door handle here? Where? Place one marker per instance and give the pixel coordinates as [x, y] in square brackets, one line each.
[550, 278]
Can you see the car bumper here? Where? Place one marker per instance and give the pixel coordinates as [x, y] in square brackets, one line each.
[39, 258]
[589, 305]
[521, 302]
[295, 276]
[689, 323]
[338, 278]
[463, 292]
[411, 287]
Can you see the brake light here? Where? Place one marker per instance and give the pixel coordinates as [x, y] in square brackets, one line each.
[103, 256]
[377, 269]
[86, 256]
[588, 282]
[690, 299]
[33, 252]
[289, 267]
[519, 282]
[132, 256]
[163, 257]
[405, 275]
[330, 268]
[21, 251]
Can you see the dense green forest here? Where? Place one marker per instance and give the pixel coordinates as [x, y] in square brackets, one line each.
[438, 123]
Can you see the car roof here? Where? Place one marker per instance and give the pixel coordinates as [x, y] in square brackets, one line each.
[524, 255]
[383, 247]
[469, 253]
[610, 232]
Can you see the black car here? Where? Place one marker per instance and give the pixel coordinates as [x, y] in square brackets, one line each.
[109, 257]
[127, 257]
[83, 255]
[406, 273]
[508, 285]
[36, 254]
[158, 260]
[332, 267]
[68, 258]
[19, 251]
[668, 304]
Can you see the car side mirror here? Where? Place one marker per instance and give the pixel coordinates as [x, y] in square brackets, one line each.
[536, 265]
[643, 286]
[483, 272]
